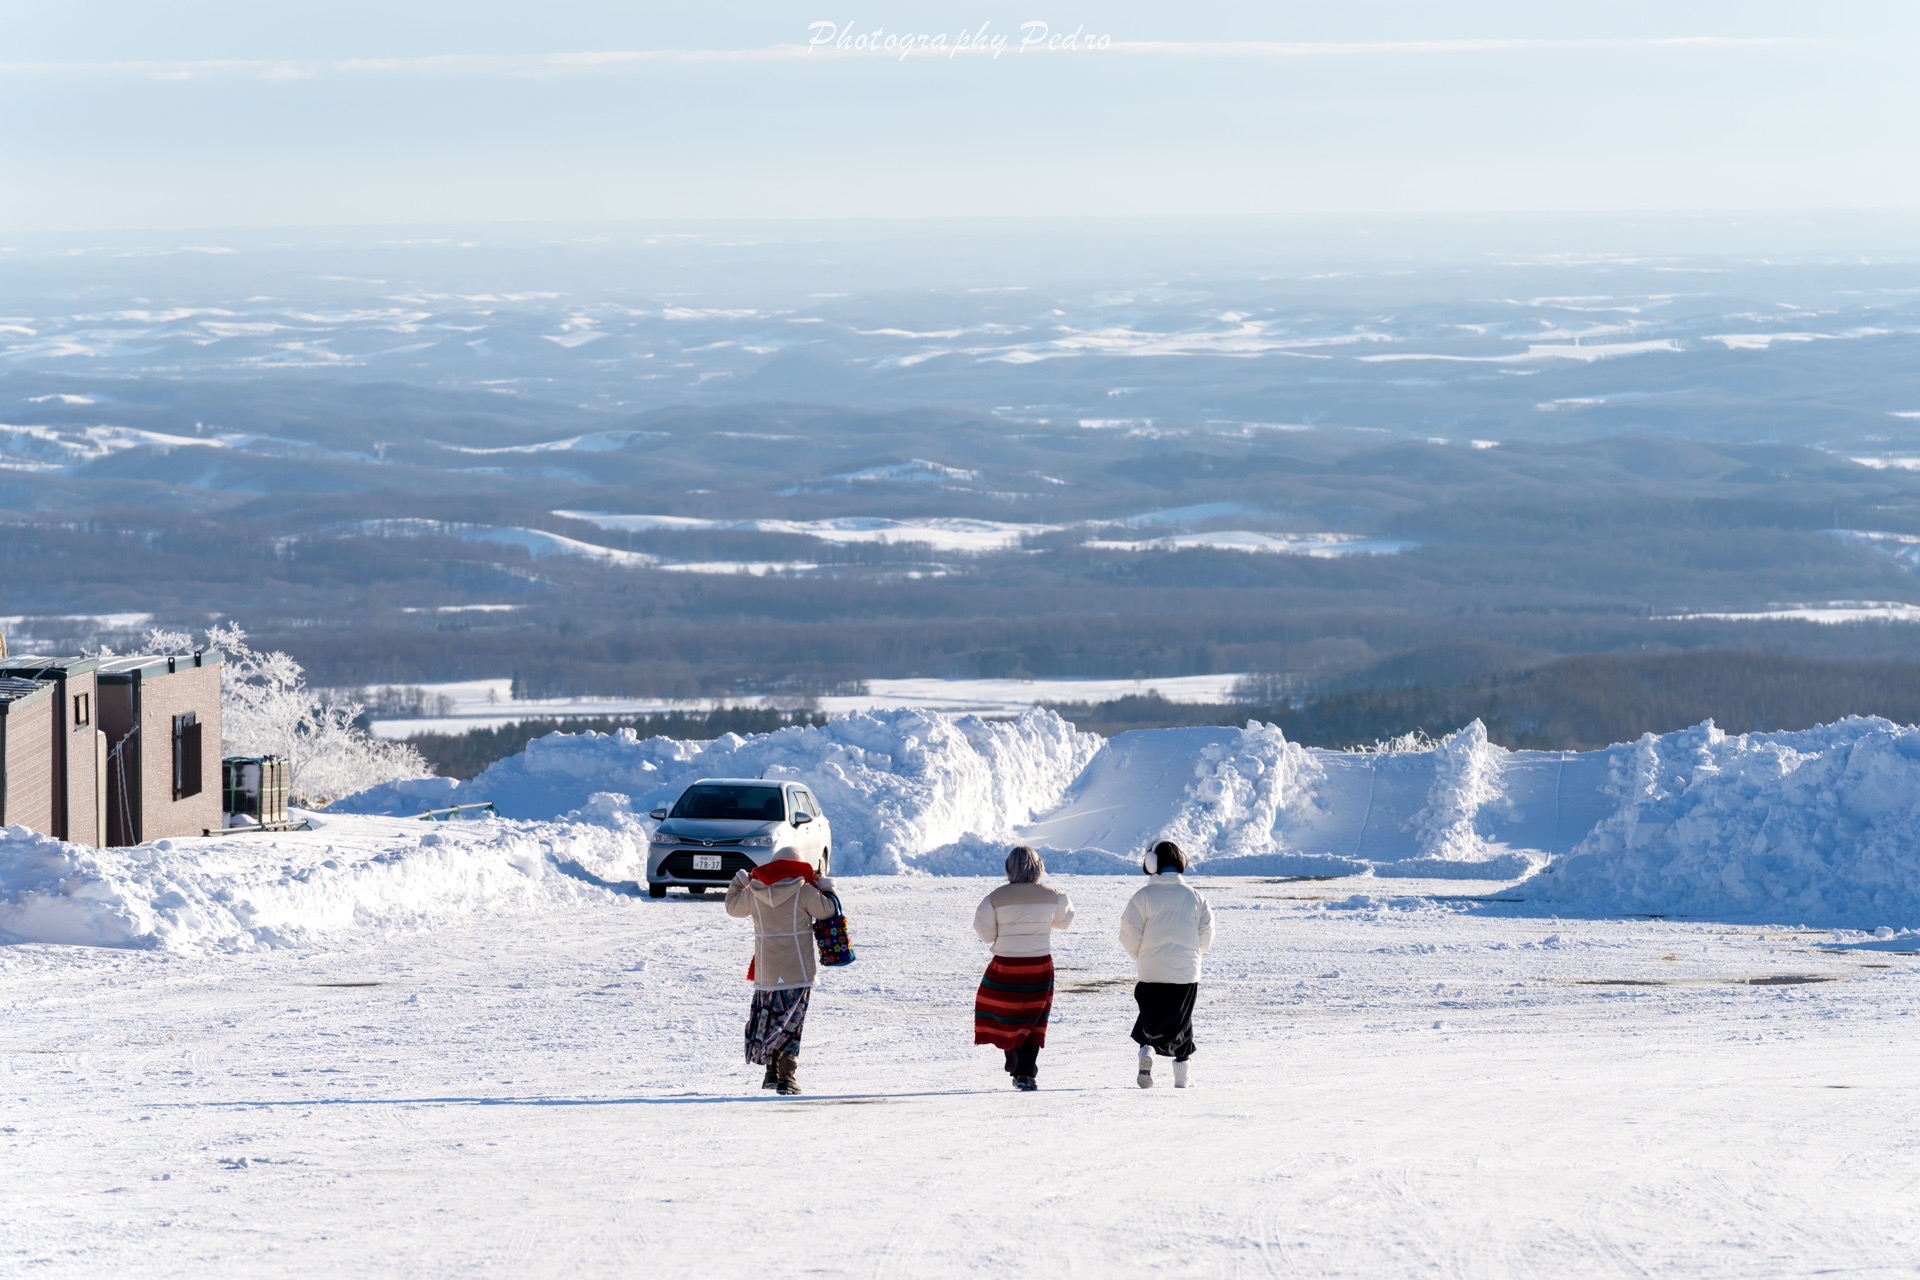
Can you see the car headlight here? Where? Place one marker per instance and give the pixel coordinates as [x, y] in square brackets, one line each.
[659, 838]
[758, 842]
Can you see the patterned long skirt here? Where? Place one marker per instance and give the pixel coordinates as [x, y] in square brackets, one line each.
[1016, 995]
[774, 1023]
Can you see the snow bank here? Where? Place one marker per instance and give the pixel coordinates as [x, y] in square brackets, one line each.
[1821, 826]
[1817, 827]
[911, 790]
[1249, 802]
[897, 785]
[252, 891]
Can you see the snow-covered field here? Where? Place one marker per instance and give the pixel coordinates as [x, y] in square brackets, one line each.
[1406, 1085]
[1643, 1011]
[488, 704]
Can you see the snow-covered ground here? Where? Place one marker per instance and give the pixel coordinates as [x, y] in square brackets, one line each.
[1833, 613]
[1641, 1011]
[1408, 1085]
[488, 704]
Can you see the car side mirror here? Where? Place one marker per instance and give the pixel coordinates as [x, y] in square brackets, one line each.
[658, 815]
[802, 819]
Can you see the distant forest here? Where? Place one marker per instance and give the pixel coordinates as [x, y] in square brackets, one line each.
[462, 755]
[1571, 704]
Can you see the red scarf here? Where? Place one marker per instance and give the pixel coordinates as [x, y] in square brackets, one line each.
[785, 869]
[774, 872]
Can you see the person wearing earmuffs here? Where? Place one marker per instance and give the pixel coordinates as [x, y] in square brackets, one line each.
[1166, 928]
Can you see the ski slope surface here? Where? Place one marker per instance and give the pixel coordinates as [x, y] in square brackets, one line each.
[1413, 1084]
[1471, 1012]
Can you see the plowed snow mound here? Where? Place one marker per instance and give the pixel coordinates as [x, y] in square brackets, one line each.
[250, 891]
[1821, 826]
[909, 790]
[1818, 827]
[895, 784]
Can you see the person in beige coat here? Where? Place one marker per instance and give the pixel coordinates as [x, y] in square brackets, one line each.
[783, 899]
[1018, 921]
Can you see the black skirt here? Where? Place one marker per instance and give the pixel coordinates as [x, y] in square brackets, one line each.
[1166, 1017]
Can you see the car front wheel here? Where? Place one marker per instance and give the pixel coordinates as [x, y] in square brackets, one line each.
[656, 891]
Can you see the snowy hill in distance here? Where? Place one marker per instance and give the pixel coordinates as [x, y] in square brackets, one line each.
[827, 454]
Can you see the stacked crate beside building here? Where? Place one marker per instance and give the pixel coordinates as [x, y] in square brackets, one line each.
[254, 791]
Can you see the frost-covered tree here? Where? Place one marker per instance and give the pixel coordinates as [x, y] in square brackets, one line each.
[266, 708]
[161, 640]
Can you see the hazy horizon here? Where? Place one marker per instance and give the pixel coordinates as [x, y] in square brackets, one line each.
[207, 113]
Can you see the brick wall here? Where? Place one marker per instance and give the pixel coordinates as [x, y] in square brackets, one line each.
[26, 742]
[164, 696]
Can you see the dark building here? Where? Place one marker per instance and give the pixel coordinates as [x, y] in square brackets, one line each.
[79, 748]
[161, 717]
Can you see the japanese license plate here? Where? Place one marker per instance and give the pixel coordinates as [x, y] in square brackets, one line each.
[706, 862]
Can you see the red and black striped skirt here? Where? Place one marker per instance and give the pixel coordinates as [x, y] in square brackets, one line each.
[1016, 995]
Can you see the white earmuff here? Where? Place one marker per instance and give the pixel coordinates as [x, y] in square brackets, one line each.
[1151, 863]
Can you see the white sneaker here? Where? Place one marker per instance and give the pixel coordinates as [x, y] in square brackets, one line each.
[1179, 1075]
[1146, 1067]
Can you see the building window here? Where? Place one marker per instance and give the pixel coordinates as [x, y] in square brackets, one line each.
[186, 756]
[82, 709]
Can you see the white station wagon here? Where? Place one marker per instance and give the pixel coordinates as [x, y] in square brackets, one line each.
[720, 826]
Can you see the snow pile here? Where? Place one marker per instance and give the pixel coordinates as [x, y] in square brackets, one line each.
[1821, 826]
[1228, 797]
[1249, 802]
[1240, 792]
[897, 785]
[911, 790]
[1466, 780]
[1815, 827]
[252, 891]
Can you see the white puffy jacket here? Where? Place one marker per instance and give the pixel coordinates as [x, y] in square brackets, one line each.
[1019, 919]
[1166, 928]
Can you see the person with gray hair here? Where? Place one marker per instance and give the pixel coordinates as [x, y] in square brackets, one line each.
[1016, 996]
[1166, 928]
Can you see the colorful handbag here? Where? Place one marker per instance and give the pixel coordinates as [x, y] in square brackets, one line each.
[836, 948]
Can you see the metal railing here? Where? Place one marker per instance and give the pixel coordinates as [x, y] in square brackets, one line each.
[460, 812]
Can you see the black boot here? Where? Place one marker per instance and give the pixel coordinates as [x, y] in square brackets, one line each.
[1026, 1066]
[772, 1078]
[786, 1073]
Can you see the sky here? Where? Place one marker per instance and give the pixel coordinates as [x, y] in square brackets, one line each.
[196, 113]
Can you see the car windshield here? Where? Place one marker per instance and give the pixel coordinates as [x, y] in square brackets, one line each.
[711, 800]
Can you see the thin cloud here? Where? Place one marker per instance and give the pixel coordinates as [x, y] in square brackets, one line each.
[1415, 48]
[616, 61]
